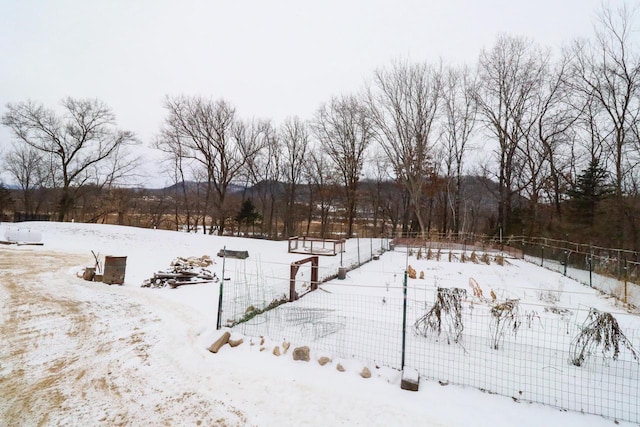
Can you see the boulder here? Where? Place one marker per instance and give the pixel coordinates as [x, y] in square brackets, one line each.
[324, 360]
[366, 373]
[301, 353]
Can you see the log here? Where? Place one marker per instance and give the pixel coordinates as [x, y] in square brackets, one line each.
[191, 282]
[217, 344]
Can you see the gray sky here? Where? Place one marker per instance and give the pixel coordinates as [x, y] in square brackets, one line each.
[271, 59]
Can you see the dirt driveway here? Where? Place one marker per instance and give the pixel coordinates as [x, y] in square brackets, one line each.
[84, 353]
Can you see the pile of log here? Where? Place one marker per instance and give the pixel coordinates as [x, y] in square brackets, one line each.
[183, 271]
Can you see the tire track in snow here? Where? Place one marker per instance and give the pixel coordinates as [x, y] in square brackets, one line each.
[80, 353]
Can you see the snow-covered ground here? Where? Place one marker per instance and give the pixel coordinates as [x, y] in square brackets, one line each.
[86, 353]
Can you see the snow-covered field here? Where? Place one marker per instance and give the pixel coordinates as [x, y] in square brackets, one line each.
[86, 353]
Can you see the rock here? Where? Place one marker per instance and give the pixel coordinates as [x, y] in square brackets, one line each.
[366, 373]
[235, 343]
[301, 353]
[340, 367]
[324, 360]
[276, 351]
[422, 275]
[261, 340]
[213, 348]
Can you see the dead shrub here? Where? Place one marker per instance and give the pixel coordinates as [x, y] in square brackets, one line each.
[600, 330]
[447, 309]
[505, 317]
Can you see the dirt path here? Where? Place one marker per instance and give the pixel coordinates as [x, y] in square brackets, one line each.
[83, 353]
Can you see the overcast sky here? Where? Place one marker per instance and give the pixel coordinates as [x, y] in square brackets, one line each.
[271, 59]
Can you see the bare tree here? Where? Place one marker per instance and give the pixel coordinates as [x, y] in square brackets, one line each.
[294, 144]
[208, 132]
[458, 123]
[607, 70]
[510, 74]
[545, 155]
[557, 121]
[263, 172]
[323, 187]
[344, 128]
[373, 192]
[404, 101]
[80, 142]
[176, 167]
[29, 169]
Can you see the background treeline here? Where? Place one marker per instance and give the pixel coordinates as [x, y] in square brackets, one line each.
[522, 142]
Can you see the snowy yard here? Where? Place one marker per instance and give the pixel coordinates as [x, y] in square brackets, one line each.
[86, 353]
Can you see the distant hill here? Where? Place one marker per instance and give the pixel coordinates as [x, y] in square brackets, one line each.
[191, 185]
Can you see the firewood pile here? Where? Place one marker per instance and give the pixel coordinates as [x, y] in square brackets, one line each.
[183, 271]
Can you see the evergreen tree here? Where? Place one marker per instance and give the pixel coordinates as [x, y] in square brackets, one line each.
[590, 188]
[248, 214]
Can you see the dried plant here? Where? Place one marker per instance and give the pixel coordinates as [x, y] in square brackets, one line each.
[505, 317]
[485, 258]
[475, 287]
[499, 259]
[429, 254]
[474, 258]
[600, 330]
[446, 309]
[411, 272]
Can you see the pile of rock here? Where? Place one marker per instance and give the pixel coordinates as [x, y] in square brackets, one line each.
[183, 271]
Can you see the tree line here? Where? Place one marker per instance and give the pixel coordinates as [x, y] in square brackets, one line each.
[522, 142]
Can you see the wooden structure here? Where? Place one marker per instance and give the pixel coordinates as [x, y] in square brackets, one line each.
[315, 246]
[293, 295]
[222, 253]
[114, 269]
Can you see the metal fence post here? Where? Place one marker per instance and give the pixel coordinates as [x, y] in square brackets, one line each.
[625, 280]
[219, 318]
[404, 318]
[590, 269]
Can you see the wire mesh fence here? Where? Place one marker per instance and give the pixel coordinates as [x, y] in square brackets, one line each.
[252, 286]
[529, 356]
[615, 272]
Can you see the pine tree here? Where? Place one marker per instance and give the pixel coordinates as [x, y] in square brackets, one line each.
[248, 214]
[590, 188]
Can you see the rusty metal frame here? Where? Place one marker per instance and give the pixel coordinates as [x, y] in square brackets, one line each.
[295, 266]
